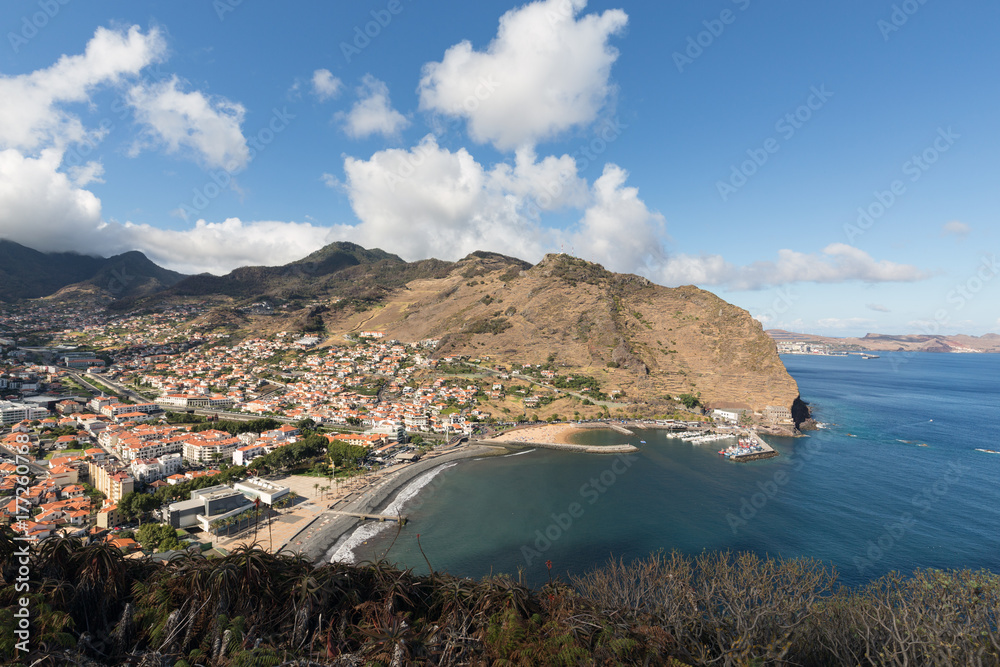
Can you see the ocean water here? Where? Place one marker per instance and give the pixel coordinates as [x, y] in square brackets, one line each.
[894, 482]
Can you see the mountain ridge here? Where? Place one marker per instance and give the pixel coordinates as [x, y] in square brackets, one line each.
[650, 343]
[26, 273]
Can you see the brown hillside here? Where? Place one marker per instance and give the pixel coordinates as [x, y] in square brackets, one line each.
[627, 332]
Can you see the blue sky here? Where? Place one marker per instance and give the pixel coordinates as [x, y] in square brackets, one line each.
[831, 168]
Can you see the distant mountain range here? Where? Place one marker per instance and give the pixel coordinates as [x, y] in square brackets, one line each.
[890, 343]
[29, 274]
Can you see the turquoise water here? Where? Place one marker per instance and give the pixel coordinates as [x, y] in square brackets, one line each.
[861, 494]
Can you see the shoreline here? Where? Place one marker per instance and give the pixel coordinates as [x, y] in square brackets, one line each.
[326, 530]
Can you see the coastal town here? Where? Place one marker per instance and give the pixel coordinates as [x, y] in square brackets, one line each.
[114, 426]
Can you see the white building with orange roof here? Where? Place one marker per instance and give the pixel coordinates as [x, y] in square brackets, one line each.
[247, 453]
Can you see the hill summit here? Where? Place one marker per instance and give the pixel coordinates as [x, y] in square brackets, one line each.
[647, 341]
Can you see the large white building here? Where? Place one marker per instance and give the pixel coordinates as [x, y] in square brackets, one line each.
[12, 413]
[150, 470]
[210, 451]
[195, 401]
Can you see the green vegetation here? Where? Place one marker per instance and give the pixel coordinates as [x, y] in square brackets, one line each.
[135, 505]
[310, 450]
[492, 325]
[157, 537]
[237, 428]
[91, 605]
[184, 418]
[689, 401]
[65, 452]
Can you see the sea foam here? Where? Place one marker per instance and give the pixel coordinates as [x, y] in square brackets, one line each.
[343, 550]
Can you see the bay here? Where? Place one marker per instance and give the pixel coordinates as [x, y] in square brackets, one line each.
[894, 482]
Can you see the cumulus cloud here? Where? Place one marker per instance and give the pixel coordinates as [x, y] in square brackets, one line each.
[325, 85]
[879, 308]
[41, 207]
[373, 113]
[32, 116]
[545, 72]
[618, 230]
[189, 121]
[956, 228]
[431, 202]
[837, 263]
[219, 247]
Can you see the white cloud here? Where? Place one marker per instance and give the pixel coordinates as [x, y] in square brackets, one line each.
[879, 308]
[544, 73]
[837, 263]
[618, 230]
[373, 113]
[432, 202]
[41, 208]
[84, 174]
[219, 247]
[956, 228]
[325, 85]
[429, 201]
[191, 121]
[31, 113]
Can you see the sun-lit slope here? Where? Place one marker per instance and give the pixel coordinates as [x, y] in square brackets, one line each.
[647, 340]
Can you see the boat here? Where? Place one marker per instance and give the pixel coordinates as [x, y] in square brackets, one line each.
[988, 451]
[869, 356]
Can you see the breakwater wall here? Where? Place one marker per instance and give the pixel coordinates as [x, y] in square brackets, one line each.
[586, 449]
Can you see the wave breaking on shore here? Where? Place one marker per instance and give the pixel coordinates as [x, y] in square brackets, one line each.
[343, 550]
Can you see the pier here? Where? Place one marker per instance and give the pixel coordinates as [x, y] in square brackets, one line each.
[373, 517]
[768, 452]
[586, 449]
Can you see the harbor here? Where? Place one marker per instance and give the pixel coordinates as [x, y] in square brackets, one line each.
[750, 448]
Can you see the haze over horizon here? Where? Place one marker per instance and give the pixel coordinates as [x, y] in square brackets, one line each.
[826, 168]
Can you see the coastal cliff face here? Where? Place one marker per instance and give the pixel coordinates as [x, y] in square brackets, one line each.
[648, 341]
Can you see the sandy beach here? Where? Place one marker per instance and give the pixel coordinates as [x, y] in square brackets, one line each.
[556, 434]
[315, 538]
